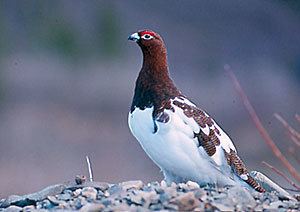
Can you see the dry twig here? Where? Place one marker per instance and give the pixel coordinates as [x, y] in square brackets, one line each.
[282, 175]
[292, 153]
[291, 130]
[89, 168]
[260, 127]
[297, 117]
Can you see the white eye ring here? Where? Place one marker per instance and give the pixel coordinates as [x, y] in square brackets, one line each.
[147, 37]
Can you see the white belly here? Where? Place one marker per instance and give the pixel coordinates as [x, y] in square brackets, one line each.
[173, 148]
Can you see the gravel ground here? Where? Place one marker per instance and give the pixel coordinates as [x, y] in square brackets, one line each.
[137, 196]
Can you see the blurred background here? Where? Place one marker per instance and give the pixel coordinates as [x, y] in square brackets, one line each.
[67, 75]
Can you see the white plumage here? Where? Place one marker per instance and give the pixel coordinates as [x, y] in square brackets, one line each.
[175, 149]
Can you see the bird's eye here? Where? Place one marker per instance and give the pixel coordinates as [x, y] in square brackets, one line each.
[147, 37]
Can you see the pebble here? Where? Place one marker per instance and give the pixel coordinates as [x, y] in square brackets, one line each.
[241, 195]
[163, 183]
[77, 192]
[132, 185]
[13, 208]
[64, 196]
[89, 193]
[92, 207]
[192, 185]
[186, 201]
[28, 208]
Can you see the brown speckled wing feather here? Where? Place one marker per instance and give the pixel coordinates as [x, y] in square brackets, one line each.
[211, 140]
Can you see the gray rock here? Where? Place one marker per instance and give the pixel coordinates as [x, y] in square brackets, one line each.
[13, 208]
[156, 207]
[54, 200]
[77, 192]
[240, 195]
[89, 193]
[77, 204]
[192, 185]
[186, 201]
[64, 196]
[135, 199]
[100, 194]
[92, 207]
[114, 189]
[31, 199]
[223, 207]
[106, 202]
[28, 208]
[46, 204]
[170, 206]
[119, 207]
[132, 185]
[97, 185]
[171, 191]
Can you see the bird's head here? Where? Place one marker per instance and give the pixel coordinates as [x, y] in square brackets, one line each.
[146, 39]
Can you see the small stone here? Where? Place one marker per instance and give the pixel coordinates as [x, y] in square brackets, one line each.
[160, 190]
[54, 200]
[89, 193]
[163, 183]
[114, 189]
[77, 192]
[100, 194]
[119, 207]
[80, 179]
[240, 195]
[164, 197]
[149, 198]
[106, 194]
[77, 203]
[28, 208]
[172, 192]
[200, 194]
[276, 205]
[223, 207]
[171, 207]
[259, 207]
[183, 186]
[132, 185]
[92, 207]
[46, 204]
[220, 196]
[209, 207]
[136, 199]
[64, 197]
[106, 202]
[13, 208]
[173, 185]
[186, 201]
[62, 205]
[31, 199]
[192, 185]
[156, 207]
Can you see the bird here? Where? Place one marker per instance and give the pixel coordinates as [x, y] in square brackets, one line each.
[184, 141]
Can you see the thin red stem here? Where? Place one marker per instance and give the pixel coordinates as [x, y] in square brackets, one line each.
[268, 140]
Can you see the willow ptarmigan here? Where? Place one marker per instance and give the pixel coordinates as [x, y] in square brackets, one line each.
[182, 139]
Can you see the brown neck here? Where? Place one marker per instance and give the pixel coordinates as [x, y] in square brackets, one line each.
[155, 60]
[154, 85]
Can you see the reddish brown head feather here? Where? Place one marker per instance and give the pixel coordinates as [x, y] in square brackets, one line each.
[149, 32]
